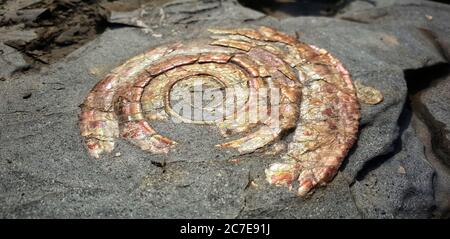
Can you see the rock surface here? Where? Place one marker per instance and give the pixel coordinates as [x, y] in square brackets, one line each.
[11, 61]
[435, 111]
[432, 124]
[46, 172]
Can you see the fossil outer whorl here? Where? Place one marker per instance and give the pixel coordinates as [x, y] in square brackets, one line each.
[315, 96]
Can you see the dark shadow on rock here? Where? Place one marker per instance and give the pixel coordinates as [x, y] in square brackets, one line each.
[422, 78]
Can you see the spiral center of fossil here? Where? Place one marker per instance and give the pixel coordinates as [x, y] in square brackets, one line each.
[197, 98]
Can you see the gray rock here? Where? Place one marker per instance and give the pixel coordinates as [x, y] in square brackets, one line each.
[442, 171]
[17, 34]
[359, 5]
[22, 16]
[46, 172]
[434, 108]
[400, 186]
[429, 18]
[11, 61]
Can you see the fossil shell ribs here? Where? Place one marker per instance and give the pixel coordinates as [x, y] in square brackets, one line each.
[311, 91]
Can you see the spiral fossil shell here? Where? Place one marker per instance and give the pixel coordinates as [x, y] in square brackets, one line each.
[316, 100]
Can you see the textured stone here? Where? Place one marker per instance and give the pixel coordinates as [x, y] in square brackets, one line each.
[11, 61]
[46, 172]
[400, 187]
[435, 110]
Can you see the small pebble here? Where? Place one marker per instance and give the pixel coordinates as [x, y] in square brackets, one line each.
[401, 170]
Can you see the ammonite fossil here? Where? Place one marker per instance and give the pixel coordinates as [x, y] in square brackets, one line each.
[303, 89]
